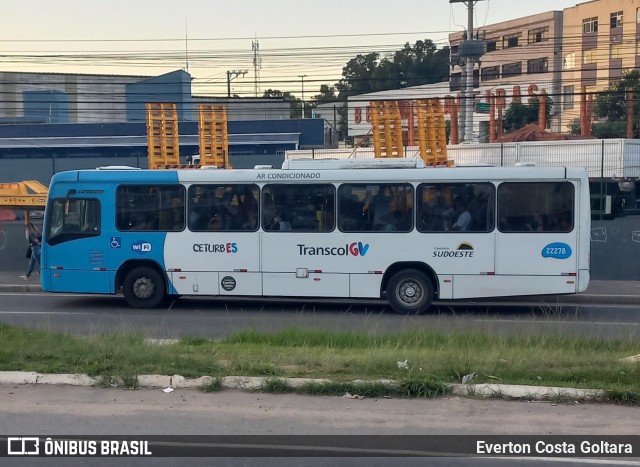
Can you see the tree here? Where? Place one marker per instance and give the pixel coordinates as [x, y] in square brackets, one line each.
[519, 114]
[422, 63]
[414, 65]
[612, 105]
[295, 105]
[327, 94]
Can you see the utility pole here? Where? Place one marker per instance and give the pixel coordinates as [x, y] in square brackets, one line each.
[235, 74]
[257, 66]
[470, 50]
[302, 77]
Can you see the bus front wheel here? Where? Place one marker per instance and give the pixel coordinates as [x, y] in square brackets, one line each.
[143, 287]
[410, 292]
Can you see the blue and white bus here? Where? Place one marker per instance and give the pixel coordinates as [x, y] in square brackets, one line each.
[391, 229]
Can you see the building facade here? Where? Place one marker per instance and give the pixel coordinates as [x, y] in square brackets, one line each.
[67, 98]
[523, 57]
[63, 97]
[601, 42]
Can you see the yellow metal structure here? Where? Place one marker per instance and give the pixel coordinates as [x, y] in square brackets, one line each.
[432, 135]
[214, 135]
[387, 129]
[162, 135]
[28, 194]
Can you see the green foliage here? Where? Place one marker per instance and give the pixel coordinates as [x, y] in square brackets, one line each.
[609, 129]
[327, 94]
[574, 126]
[519, 114]
[630, 397]
[215, 385]
[612, 104]
[421, 361]
[276, 386]
[413, 65]
[296, 104]
[423, 388]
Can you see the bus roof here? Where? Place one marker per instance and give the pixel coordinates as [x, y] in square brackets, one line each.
[322, 171]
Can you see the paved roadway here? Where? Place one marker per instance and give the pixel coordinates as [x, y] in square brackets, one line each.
[613, 312]
[57, 411]
[608, 309]
[214, 318]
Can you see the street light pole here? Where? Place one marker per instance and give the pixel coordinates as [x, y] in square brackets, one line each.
[302, 77]
[470, 50]
[468, 90]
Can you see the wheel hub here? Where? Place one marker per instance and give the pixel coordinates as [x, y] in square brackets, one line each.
[410, 292]
[143, 287]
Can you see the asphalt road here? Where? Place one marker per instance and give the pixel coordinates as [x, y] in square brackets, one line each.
[58, 411]
[214, 318]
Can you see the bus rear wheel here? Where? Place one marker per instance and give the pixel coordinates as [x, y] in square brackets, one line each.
[410, 292]
[143, 287]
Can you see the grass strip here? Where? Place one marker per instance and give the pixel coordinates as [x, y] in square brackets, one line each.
[422, 361]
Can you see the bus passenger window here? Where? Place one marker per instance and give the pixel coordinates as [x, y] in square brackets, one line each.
[350, 209]
[248, 210]
[301, 208]
[229, 208]
[375, 208]
[536, 207]
[466, 207]
[150, 208]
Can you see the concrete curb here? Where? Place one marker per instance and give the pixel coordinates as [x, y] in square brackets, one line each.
[250, 383]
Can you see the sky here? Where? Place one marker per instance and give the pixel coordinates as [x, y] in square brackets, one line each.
[303, 43]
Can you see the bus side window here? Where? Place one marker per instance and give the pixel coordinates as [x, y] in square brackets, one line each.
[386, 208]
[526, 207]
[248, 209]
[268, 211]
[350, 209]
[303, 208]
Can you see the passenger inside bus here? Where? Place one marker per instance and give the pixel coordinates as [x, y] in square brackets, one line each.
[198, 219]
[268, 212]
[218, 220]
[536, 224]
[351, 210]
[463, 218]
[247, 218]
[140, 221]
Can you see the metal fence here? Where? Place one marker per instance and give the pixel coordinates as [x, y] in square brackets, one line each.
[613, 165]
[612, 158]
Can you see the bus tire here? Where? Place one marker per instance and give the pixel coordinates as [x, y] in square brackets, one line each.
[143, 287]
[410, 292]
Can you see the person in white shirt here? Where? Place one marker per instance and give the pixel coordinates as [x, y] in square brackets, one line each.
[464, 216]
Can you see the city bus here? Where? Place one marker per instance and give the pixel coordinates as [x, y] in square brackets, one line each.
[388, 229]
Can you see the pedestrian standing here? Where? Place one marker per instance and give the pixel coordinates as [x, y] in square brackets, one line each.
[34, 237]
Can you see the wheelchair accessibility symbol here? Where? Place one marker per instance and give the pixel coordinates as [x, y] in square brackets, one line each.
[116, 242]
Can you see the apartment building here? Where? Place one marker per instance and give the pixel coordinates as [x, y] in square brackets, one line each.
[601, 41]
[523, 57]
